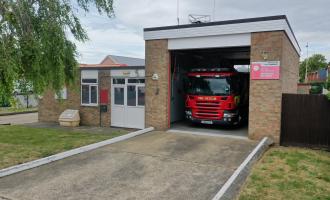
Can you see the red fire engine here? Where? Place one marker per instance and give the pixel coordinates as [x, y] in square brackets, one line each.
[217, 96]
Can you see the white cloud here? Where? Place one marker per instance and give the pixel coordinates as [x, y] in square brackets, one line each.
[310, 21]
[119, 41]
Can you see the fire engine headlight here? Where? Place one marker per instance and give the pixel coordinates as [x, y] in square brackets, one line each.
[229, 115]
[188, 112]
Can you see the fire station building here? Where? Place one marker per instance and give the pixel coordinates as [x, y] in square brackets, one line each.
[257, 41]
[110, 93]
[154, 94]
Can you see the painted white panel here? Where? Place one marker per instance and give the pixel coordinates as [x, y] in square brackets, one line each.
[292, 39]
[243, 39]
[250, 27]
[128, 73]
[117, 116]
[89, 74]
[216, 30]
[134, 117]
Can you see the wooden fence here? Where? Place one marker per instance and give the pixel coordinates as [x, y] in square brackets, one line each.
[305, 121]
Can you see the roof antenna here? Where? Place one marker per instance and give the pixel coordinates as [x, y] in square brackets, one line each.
[198, 19]
[177, 12]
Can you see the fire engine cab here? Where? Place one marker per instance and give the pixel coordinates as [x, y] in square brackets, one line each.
[217, 96]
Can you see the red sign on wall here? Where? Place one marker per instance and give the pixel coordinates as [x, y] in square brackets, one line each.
[104, 96]
[268, 70]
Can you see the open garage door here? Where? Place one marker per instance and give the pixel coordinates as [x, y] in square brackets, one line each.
[210, 89]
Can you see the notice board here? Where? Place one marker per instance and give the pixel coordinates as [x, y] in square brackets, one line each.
[267, 70]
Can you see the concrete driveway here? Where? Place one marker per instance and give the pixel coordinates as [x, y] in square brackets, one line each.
[156, 165]
[19, 118]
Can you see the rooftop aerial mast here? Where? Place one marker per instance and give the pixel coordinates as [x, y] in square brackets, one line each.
[198, 19]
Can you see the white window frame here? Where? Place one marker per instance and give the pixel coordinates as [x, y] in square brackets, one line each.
[118, 85]
[136, 92]
[137, 95]
[86, 75]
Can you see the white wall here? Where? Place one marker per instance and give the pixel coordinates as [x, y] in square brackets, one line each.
[128, 73]
[222, 30]
[233, 40]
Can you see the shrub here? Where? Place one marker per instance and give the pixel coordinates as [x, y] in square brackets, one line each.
[316, 88]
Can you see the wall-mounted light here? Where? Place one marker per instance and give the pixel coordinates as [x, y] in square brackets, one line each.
[155, 77]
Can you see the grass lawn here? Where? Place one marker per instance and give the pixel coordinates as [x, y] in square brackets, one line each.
[19, 144]
[289, 173]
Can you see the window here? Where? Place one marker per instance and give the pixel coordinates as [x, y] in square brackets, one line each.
[89, 80]
[85, 94]
[89, 87]
[128, 91]
[141, 80]
[119, 96]
[135, 95]
[63, 94]
[93, 96]
[118, 81]
[131, 95]
[211, 86]
[141, 93]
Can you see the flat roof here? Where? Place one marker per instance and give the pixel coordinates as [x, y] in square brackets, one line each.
[109, 67]
[234, 21]
[236, 26]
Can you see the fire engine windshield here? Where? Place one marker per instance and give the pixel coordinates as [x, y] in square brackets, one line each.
[210, 86]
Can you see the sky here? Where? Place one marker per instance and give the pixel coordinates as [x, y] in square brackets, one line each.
[123, 34]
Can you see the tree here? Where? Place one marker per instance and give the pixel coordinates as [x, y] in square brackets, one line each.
[34, 44]
[315, 62]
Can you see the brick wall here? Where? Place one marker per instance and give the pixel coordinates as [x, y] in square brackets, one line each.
[266, 95]
[51, 108]
[157, 61]
[303, 88]
[105, 83]
[290, 67]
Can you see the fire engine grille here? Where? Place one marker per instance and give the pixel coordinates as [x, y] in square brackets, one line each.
[207, 110]
[207, 105]
[207, 114]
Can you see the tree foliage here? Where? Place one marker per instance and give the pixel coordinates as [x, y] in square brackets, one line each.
[34, 41]
[315, 62]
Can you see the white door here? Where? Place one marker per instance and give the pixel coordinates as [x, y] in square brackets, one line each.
[127, 107]
[118, 102]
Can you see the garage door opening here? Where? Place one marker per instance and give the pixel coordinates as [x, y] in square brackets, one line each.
[210, 90]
